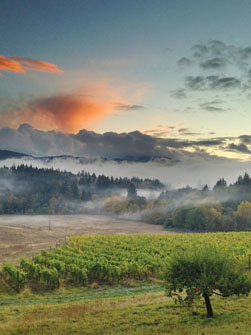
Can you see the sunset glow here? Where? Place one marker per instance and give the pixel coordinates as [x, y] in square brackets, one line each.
[175, 79]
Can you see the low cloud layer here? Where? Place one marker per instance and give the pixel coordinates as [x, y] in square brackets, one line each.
[111, 145]
[194, 171]
[175, 161]
[21, 64]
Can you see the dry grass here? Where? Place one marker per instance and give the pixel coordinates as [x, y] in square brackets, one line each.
[24, 235]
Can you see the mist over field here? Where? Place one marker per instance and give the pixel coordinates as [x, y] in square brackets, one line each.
[195, 173]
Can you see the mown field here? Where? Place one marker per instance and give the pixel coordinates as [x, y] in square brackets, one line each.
[24, 235]
[113, 284]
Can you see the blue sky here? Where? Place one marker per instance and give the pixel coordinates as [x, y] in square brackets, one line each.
[117, 68]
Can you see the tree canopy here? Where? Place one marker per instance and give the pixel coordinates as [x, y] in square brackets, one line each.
[203, 272]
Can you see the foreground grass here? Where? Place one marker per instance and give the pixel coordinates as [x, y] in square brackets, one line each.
[134, 307]
[72, 294]
[127, 313]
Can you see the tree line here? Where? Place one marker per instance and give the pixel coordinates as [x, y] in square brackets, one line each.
[224, 208]
[31, 190]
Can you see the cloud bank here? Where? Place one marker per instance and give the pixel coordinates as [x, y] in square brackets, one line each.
[194, 171]
[174, 161]
[134, 145]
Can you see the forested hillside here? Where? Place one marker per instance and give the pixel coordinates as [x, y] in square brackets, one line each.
[224, 208]
[30, 190]
[27, 190]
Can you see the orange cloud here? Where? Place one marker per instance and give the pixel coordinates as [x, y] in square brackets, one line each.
[71, 112]
[81, 109]
[37, 65]
[20, 64]
[8, 64]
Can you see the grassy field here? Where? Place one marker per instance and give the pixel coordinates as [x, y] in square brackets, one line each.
[131, 304]
[143, 309]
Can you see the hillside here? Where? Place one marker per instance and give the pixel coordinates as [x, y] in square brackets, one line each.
[5, 154]
[131, 306]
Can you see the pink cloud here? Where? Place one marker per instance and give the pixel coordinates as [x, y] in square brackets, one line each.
[20, 64]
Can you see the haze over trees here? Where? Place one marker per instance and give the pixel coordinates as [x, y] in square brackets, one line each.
[27, 190]
[30, 190]
[224, 208]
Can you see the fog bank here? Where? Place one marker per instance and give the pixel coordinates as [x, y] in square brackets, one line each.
[195, 173]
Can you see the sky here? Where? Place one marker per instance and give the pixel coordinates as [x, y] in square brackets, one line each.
[176, 72]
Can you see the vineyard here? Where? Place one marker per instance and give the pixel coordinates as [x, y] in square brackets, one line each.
[112, 259]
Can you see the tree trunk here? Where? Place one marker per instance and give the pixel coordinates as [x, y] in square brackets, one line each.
[208, 305]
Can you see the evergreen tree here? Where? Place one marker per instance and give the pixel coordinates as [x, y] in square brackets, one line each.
[131, 191]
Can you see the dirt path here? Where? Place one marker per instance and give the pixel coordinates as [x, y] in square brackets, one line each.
[24, 235]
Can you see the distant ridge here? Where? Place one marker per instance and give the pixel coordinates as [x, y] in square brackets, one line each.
[4, 154]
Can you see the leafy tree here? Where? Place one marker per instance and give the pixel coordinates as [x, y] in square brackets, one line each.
[204, 272]
[244, 213]
[194, 219]
[212, 218]
[228, 220]
[179, 217]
